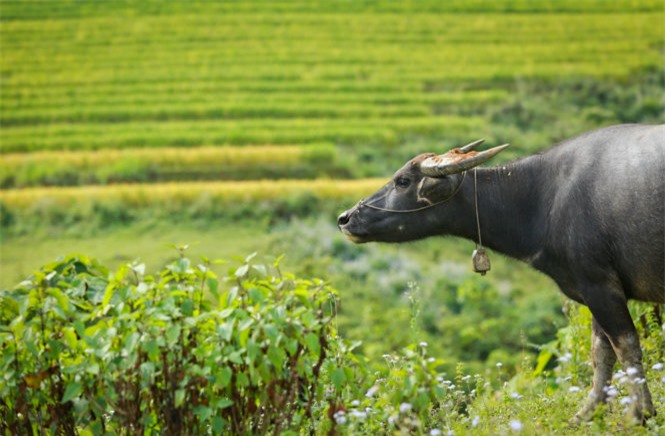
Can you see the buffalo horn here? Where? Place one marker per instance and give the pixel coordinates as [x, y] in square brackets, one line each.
[468, 147]
[457, 160]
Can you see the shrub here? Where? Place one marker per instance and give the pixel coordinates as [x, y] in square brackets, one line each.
[132, 353]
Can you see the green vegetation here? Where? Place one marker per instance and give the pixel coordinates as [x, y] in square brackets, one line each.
[248, 126]
[86, 350]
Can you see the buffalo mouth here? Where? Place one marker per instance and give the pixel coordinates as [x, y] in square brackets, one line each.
[353, 237]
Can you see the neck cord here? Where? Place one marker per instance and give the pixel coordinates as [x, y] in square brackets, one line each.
[475, 193]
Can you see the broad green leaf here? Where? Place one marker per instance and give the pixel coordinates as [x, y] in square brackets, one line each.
[218, 423]
[256, 295]
[312, 342]
[261, 269]
[242, 270]
[70, 337]
[204, 412]
[213, 284]
[292, 346]
[92, 368]
[179, 397]
[172, 334]
[544, 358]
[130, 341]
[72, 390]
[245, 324]
[61, 299]
[224, 403]
[276, 356]
[225, 330]
[338, 377]
[223, 377]
[152, 348]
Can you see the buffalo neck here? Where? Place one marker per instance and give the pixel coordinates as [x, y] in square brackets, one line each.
[511, 204]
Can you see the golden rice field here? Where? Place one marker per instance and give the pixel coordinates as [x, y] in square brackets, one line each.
[173, 195]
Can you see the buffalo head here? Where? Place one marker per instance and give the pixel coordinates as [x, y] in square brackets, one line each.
[418, 198]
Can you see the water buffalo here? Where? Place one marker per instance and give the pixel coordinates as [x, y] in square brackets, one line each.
[588, 212]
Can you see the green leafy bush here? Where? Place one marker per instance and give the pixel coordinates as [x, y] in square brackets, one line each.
[83, 349]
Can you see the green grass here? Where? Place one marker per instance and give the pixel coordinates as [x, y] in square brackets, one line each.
[117, 246]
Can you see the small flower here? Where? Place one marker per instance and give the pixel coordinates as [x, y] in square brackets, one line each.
[431, 360]
[340, 417]
[618, 374]
[499, 364]
[657, 367]
[475, 421]
[626, 400]
[435, 432]
[515, 396]
[358, 414]
[574, 389]
[611, 391]
[466, 377]
[516, 425]
[372, 391]
[632, 371]
[423, 344]
[565, 358]
[355, 403]
[404, 407]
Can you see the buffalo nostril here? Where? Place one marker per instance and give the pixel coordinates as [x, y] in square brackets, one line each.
[343, 219]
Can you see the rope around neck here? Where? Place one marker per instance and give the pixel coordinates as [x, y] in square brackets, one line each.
[362, 203]
[475, 194]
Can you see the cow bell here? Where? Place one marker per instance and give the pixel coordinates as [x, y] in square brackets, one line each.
[481, 261]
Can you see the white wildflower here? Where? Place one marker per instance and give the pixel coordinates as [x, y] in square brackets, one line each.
[565, 358]
[423, 344]
[355, 403]
[431, 360]
[632, 371]
[475, 421]
[405, 407]
[499, 364]
[574, 389]
[657, 367]
[611, 391]
[516, 425]
[340, 417]
[372, 391]
[626, 400]
[357, 414]
[515, 396]
[435, 432]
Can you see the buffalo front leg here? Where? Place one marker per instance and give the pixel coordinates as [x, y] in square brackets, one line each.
[604, 359]
[611, 317]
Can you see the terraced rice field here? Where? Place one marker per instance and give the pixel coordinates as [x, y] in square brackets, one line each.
[86, 87]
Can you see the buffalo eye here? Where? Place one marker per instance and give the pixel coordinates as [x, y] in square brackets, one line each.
[402, 182]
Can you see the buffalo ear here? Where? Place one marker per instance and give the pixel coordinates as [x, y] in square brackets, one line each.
[433, 190]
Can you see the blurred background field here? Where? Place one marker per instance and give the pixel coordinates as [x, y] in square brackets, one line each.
[249, 126]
